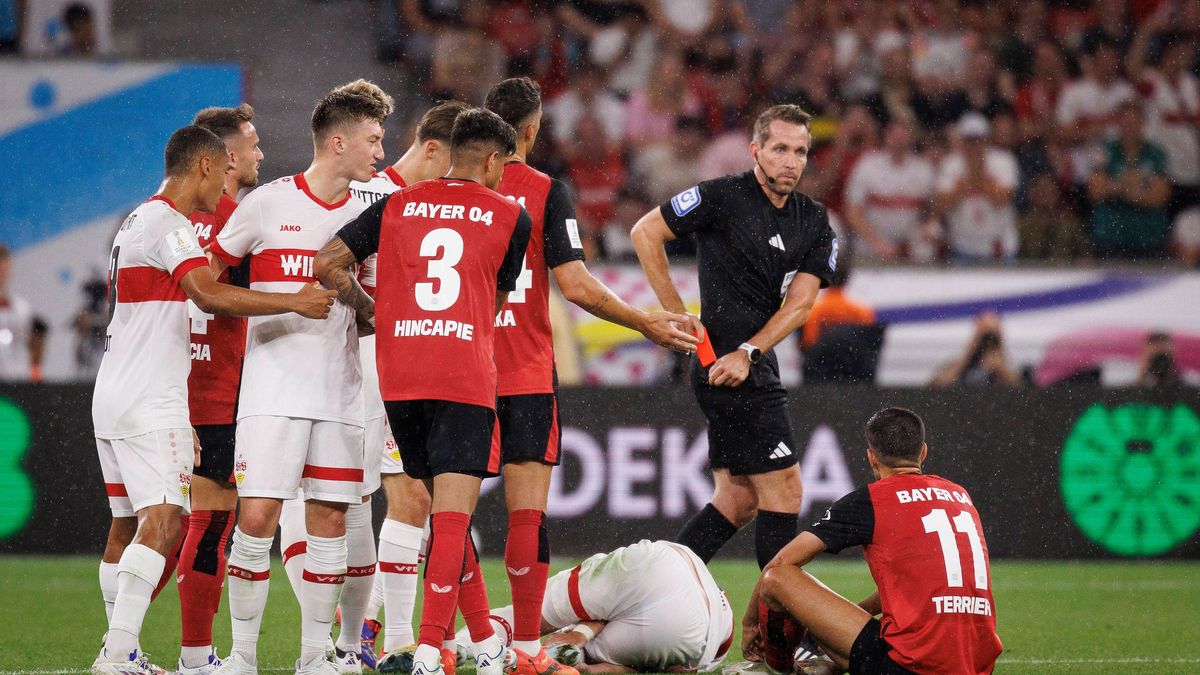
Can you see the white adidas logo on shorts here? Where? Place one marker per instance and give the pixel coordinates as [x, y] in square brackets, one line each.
[781, 451]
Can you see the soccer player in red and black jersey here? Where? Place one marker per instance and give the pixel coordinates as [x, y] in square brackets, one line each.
[526, 407]
[450, 252]
[924, 545]
[218, 346]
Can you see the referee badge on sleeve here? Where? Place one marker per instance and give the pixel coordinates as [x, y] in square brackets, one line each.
[833, 256]
[685, 201]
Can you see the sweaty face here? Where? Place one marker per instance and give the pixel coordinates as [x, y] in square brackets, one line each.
[247, 156]
[362, 148]
[783, 155]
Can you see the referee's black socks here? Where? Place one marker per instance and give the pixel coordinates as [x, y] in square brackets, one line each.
[772, 531]
[707, 532]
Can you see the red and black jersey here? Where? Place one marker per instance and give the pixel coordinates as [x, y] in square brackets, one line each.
[446, 246]
[924, 544]
[524, 340]
[218, 342]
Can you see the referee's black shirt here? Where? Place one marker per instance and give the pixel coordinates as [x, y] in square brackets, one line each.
[749, 252]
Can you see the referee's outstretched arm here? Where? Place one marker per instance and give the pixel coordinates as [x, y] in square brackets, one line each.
[650, 236]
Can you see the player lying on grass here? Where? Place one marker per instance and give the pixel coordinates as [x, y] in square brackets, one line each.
[651, 607]
[923, 542]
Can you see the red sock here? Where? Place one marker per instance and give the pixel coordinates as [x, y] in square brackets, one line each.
[201, 573]
[527, 557]
[172, 557]
[443, 569]
[472, 598]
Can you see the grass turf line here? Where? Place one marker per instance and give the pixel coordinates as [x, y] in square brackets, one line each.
[1054, 617]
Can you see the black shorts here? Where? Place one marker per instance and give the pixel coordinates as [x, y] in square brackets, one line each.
[437, 437]
[216, 452]
[529, 428]
[748, 428]
[869, 655]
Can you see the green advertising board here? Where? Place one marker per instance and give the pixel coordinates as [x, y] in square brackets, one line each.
[16, 489]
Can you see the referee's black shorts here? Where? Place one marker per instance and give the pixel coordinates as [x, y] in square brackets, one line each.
[749, 430]
[869, 655]
[216, 452]
[437, 437]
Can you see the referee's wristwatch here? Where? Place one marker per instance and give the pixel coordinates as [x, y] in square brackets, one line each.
[751, 351]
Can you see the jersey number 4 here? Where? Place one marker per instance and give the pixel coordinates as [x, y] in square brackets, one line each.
[938, 522]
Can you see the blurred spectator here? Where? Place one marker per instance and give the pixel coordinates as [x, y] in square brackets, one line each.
[597, 172]
[1016, 52]
[630, 206]
[11, 12]
[1048, 229]
[889, 198]
[1036, 101]
[983, 362]
[465, 61]
[809, 80]
[652, 111]
[830, 166]
[665, 170]
[90, 325]
[975, 194]
[1110, 23]
[684, 22]
[835, 308]
[897, 96]
[22, 334]
[940, 52]
[531, 40]
[986, 90]
[586, 95]
[1157, 367]
[1186, 230]
[1130, 191]
[726, 154]
[81, 30]
[1086, 108]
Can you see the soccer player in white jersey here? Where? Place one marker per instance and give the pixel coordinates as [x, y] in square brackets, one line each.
[300, 412]
[140, 408]
[395, 584]
[651, 607]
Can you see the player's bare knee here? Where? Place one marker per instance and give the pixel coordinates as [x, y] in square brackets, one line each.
[738, 506]
[776, 582]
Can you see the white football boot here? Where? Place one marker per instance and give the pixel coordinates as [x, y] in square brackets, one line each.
[135, 663]
[235, 664]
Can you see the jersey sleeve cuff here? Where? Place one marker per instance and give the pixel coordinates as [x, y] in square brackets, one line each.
[225, 256]
[181, 270]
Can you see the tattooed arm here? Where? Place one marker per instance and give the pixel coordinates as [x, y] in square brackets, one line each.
[333, 264]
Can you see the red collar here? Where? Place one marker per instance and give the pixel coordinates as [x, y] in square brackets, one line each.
[162, 199]
[393, 174]
[303, 185]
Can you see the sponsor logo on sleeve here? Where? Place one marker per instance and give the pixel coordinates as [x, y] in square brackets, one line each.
[833, 256]
[685, 201]
[179, 242]
[573, 233]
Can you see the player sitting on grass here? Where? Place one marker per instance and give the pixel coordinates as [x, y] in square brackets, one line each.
[651, 607]
[922, 539]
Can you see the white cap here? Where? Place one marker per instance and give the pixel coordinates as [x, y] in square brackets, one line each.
[973, 125]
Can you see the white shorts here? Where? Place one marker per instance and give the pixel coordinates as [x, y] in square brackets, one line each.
[659, 613]
[377, 438]
[149, 469]
[278, 455]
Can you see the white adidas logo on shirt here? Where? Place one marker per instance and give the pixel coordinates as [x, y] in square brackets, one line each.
[777, 242]
[780, 451]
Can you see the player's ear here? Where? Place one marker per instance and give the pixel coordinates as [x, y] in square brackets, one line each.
[431, 148]
[924, 453]
[205, 164]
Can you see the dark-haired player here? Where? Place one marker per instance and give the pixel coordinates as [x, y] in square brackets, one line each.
[218, 345]
[527, 408]
[765, 249]
[140, 410]
[924, 545]
[450, 251]
[300, 410]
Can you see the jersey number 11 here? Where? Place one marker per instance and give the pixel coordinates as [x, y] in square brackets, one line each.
[936, 521]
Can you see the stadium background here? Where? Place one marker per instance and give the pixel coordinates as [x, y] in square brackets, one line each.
[1075, 466]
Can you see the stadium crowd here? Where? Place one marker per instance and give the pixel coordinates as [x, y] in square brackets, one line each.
[944, 131]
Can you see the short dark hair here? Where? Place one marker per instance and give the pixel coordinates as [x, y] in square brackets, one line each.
[224, 122]
[514, 99]
[896, 434]
[479, 129]
[438, 122]
[187, 144]
[76, 13]
[356, 101]
[784, 112]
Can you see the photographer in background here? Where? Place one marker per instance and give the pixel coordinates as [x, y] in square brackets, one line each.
[983, 362]
[1158, 367]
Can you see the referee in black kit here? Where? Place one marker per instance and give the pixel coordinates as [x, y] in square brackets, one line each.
[764, 252]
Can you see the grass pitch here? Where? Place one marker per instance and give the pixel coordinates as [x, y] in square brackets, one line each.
[1054, 617]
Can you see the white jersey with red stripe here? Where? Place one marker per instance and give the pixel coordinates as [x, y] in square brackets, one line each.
[382, 184]
[295, 367]
[142, 383]
[894, 197]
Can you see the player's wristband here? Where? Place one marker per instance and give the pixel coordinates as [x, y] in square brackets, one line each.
[586, 631]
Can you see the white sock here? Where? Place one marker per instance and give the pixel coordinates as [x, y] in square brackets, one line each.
[376, 602]
[194, 657]
[108, 586]
[248, 581]
[324, 574]
[501, 619]
[491, 646]
[530, 647]
[399, 549]
[140, 569]
[428, 655]
[360, 575]
[293, 541]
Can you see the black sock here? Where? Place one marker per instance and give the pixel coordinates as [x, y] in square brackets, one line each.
[706, 532]
[772, 531]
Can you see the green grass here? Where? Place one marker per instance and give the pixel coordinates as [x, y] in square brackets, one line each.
[1061, 617]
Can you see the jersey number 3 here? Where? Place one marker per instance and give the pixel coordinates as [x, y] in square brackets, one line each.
[936, 521]
[448, 243]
